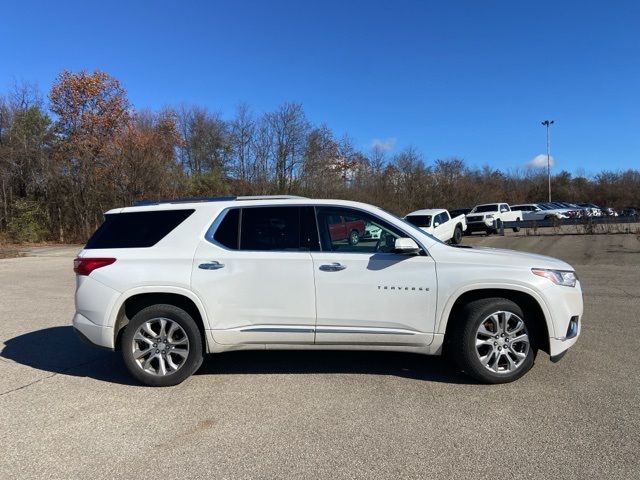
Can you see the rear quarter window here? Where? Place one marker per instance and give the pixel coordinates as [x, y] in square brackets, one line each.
[136, 229]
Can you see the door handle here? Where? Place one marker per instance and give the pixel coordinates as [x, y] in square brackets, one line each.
[332, 267]
[213, 265]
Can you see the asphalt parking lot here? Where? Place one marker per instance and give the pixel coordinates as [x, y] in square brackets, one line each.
[70, 411]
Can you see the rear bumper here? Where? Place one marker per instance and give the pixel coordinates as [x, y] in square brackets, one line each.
[89, 332]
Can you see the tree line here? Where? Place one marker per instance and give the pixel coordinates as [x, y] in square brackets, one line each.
[66, 159]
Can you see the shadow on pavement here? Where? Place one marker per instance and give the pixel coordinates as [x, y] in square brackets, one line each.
[59, 350]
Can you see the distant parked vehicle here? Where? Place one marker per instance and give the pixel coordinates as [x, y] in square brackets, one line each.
[591, 209]
[439, 223]
[630, 212]
[533, 211]
[609, 212]
[558, 209]
[489, 217]
[346, 228]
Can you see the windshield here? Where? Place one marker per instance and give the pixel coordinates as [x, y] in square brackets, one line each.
[485, 208]
[419, 220]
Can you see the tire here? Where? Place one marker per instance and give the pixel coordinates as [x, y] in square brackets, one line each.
[457, 235]
[516, 229]
[181, 344]
[354, 238]
[467, 330]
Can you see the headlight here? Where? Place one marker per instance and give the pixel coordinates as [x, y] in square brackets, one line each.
[488, 216]
[566, 278]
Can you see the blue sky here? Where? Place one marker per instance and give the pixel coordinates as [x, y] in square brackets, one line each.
[471, 79]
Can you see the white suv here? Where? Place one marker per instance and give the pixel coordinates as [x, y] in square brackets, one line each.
[166, 282]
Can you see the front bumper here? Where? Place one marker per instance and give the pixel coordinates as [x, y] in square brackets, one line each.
[566, 309]
[482, 225]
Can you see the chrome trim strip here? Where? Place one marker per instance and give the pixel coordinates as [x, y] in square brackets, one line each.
[365, 331]
[277, 329]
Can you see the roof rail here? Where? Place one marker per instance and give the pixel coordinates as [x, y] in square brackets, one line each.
[269, 197]
[142, 203]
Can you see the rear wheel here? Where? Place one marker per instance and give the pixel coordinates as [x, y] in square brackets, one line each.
[492, 341]
[516, 229]
[457, 235]
[162, 345]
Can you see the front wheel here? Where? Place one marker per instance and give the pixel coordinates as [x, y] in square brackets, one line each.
[162, 346]
[492, 341]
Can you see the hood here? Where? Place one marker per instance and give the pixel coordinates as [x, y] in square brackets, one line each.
[499, 256]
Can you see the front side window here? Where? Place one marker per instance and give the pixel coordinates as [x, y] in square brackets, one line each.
[359, 232]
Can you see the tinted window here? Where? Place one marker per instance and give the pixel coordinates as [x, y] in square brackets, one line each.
[361, 232]
[227, 232]
[136, 229]
[270, 228]
[419, 220]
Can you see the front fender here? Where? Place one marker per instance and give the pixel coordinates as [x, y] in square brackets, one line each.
[441, 323]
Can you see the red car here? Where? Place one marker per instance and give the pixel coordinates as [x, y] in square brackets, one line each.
[345, 228]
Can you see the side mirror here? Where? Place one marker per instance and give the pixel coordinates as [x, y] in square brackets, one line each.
[504, 210]
[406, 246]
[437, 224]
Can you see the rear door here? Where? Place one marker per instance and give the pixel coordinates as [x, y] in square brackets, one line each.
[254, 272]
[365, 293]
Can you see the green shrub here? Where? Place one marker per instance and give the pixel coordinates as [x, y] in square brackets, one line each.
[28, 222]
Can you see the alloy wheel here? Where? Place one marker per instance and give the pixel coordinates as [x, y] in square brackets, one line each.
[160, 346]
[502, 342]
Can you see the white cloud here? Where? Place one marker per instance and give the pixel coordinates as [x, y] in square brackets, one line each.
[384, 144]
[539, 161]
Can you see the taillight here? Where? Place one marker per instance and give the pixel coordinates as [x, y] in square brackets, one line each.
[84, 266]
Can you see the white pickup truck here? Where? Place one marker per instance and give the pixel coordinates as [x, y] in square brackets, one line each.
[438, 222]
[489, 216]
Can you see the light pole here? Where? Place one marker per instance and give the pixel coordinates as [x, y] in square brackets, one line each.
[548, 123]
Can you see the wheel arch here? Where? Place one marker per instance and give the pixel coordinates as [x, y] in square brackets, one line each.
[528, 300]
[137, 299]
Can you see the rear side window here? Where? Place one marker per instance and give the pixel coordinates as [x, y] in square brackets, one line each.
[270, 228]
[227, 232]
[136, 229]
[419, 220]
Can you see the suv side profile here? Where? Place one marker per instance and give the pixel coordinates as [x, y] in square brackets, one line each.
[167, 282]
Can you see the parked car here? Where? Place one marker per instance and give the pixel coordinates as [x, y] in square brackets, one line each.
[557, 209]
[488, 217]
[591, 210]
[439, 223]
[609, 212]
[166, 282]
[533, 211]
[630, 212]
[346, 228]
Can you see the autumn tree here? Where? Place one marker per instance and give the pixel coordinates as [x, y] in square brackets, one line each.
[91, 111]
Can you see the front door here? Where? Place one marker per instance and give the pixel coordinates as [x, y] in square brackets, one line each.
[254, 273]
[365, 293]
